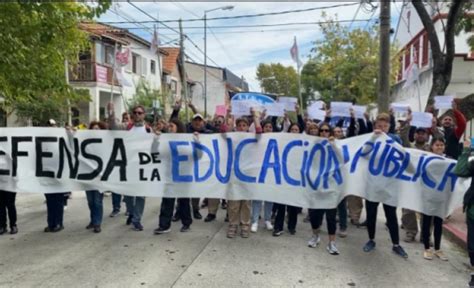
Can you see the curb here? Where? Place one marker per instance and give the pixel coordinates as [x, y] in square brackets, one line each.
[455, 235]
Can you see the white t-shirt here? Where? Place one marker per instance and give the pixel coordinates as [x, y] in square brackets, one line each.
[138, 129]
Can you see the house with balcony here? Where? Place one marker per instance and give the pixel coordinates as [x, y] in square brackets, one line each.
[412, 39]
[107, 81]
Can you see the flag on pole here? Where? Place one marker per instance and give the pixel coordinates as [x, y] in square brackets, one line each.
[295, 53]
[155, 42]
[413, 71]
[121, 58]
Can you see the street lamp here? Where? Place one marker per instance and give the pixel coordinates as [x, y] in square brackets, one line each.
[205, 52]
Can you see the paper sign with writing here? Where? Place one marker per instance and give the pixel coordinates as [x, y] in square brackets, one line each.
[275, 109]
[359, 111]
[342, 109]
[400, 107]
[221, 110]
[315, 113]
[421, 119]
[289, 102]
[444, 102]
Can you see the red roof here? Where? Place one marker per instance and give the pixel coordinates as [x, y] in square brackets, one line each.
[170, 60]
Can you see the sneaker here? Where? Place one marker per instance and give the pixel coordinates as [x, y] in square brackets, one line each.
[292, 231]
[57, 229]
[343, 233]
[369, 246]
[245, 231]
[160, 230]
[185, 228]
[254, 227]
[197, 215]
[90, 226]
[428, 254]
[314, 241]
[3, 230]
[268, 225]
[210, 218]
[13, 230]
[332, 249]
[355, 222]
[397, 249]
[137, 226]
[114, 213]
[277, 233]
[440, 255]
[129, 220]
[409, 238]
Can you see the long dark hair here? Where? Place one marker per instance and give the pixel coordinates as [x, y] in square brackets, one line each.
[179, 125]
[101, 125]
[294, 124]
[327, 125]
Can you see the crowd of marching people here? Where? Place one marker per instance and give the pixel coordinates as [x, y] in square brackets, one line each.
[244, 216]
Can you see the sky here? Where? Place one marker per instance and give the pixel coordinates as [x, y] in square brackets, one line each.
[241, 49]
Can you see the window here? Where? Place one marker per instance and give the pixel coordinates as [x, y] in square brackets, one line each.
[136, 63]
[144, 66]
[174, 87]
[109, 54]
[152, 67]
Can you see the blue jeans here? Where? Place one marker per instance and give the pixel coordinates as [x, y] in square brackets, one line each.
[116, 199]
[342, 211]
[96, 207]
[257, 207]
[135, 205]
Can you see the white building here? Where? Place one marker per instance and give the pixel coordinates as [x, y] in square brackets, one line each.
[94, 71]
[412, 39]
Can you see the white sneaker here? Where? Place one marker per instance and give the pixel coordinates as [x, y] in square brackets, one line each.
[332, 249]
[254, 227]
[268, 225]
[314, 241]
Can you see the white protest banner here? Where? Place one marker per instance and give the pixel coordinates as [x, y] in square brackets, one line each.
[422, 119]
[275, 109]
[444, 102]
[316, 113]
[342, 109]
[289, 102]
[359, 111]
[293, 169]
[400, 107]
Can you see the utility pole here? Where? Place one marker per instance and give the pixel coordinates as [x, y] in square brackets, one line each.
[184, 82]
[384, 61]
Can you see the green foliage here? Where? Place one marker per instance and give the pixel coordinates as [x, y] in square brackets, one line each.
[343, 65]
[278, 79]
[466, 24]
[36, 39]
[145, 96]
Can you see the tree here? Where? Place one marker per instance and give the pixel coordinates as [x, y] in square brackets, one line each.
[37, 39]
[278, 79]
[343, 65]
[145, 96]
[442, 61]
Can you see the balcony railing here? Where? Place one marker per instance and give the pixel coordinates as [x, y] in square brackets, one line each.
[85, 71]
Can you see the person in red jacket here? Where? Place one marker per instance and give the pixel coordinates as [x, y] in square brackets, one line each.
[453, 126]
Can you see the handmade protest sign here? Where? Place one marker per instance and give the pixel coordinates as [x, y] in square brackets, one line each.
[422, 119]
[316, 113]
[359, 111]
[444, 102]
[294, 169]
[342, 109]
[221, 110]
[275, 109]
[400, 107]
[289, 102]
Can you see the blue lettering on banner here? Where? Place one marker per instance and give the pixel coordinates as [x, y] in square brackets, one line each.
[424, 175]
[241, 176]
[175, 159]
[272, 150]
[449, 175]
[317, 147]
[228, 168]
[286, 151]
[197, 146]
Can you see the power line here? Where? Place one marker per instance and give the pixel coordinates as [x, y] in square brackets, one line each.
[144, 12]
[241, 16]
[200, 50]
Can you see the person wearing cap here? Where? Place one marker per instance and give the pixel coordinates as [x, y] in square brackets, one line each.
[135, 205]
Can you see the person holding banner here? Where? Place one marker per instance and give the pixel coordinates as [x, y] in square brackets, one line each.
[136, 205]
[437, 146]
[7, 203]
[282, 208]
[239, 210]
[95, 197]
[465, 168]
[382, 125]
[167, 204]
[316, 215]
[257, 204]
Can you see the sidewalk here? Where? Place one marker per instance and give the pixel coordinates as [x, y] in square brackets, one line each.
[455, 228]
